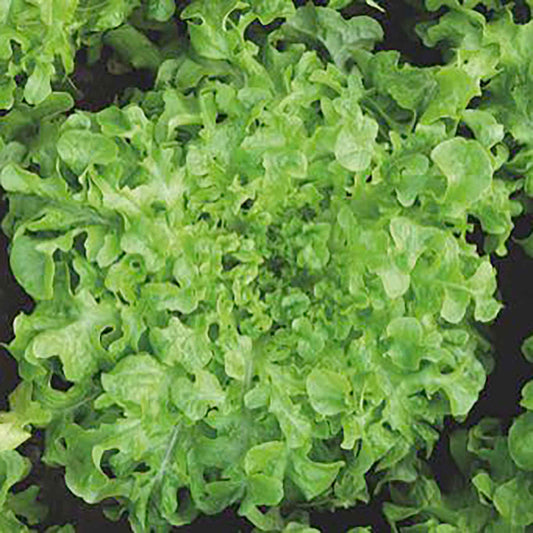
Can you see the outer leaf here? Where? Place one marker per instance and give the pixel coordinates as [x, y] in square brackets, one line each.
[521, 441]
[34, 269]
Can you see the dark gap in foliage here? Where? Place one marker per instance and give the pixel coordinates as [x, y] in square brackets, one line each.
[35, 168]
[142, 468]
[280, 46]
[97, 88]
[229, 262]
[273, 233]
[59, 383]
[67, 508]
[513, 325]
[144, 342]
[121, 298]
[408, 522]
[514, 146]
[227, 520]
[136, 264]
[521, 12]
[257, 32]
[441, 462]
[247, 205]
[63, 506]
[398, 23]
[221, 117]
[8, 371]
[319, 3]
[475, 102]
[105, 463]
[32, 449]
[45, 234]
[213, 332]
[13, 300]
[72, 179]
[485, 11]
[79, 243]
[158, 207]
[502, 393]
[476, 236]
[326, 200]
[79, 417]
[152, 34]
[74, 279]
[360, 515]
[108, 335]
[523, 227]
[308, 213]
[275, 327]
[464, 131]
[190, 91]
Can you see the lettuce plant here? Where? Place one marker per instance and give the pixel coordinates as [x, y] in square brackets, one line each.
[253, 283]
[494, 486]
[38, 40]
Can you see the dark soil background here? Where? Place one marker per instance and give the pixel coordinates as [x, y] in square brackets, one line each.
[97, 88]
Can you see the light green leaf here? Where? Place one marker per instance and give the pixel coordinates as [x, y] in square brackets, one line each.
[114, 121]
[395, 282]
[268, 10]
[527, 396]
[514, 501]
[341, 37]
[79, 149]
[521, 441]
[161, 10]
[77, 340]
[7, 93]
[167, 296]
[137, 381]
[355, 144]
[527, 348]
[210, 37]
[467, 167]
[484, 126]
[15, 179]
[12, 436]
[178, 343]
[13, 468]
[454, 305]
[267, 458]
[195, 399]
[133, 47]
[295, 426]
[455, 89]
[328, 391]
[312, 478]
[34, 269]
[38, 86]
[406, 337]
[24, 504]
